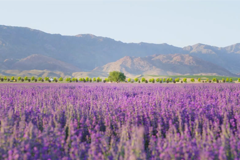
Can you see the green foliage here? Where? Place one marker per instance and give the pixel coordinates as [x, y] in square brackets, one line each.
[106, 79]
[136, 79]
[238, 79]
[129, 79]
[60, 79]
[214, 79]
[164, 80]
[68, 79]
[54, 79]
[143, 79]
[192, 80]
[99, 79]
[230, 80]
[26, 78]
[170, 80]
[40, 79]
[227, 80]
[116, 76]
[90, 79]
[33, 78]
[185, 80]
[87, 79]
[12, 78]
[73, 79]
[19, 78]
[199, 79]
[94, 79]
[80, 79]
[46, 79]
[223, 79]
[158, 80]
[207, 80]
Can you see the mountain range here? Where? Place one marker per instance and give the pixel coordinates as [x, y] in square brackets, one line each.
[25, 51]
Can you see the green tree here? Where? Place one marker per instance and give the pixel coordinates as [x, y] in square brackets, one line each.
[129, 79]
[223, 79]
[238, 79]
[60, 79]
[177, 79]
[99, 79]
[170, 80]
[4, 78]
[207, 80]
[136, 79]
[192, 80]
[158, 80]
[54, 79]
[39, 78]
[227, 79]
[153, 80]
[25, 78]
[87, 79]
[94, 79]
[106, 79]
[214, 79]
[230, 80]
[12, 78]
[73, 79]
[33, 78]
[143, 79]
[116, 76]
[46, 79]
[199, 79]
[19, 78]
[164, 79]
[68, 79]
[185, 80]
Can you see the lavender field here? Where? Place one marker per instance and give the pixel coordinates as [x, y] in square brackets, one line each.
[120, 121]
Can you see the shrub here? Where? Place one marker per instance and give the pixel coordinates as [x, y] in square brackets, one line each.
[19, 78]
[177, 79]
[238, 79]
[158, 80]
[129, 79]
[227, 80]
[164, 80]
[199, 79]
[26, 78]
[87, 79]
[136, 79]
[54, 79]
[60, 79]
[46, 79]
[116, 76]
[40, 79]
[230, 80]
[94, 79]
[99, 79]
[192, 80]
[214, 79]
[170, 80]
[33, 78]
[73, 79]
[143, 79]
[207, 80]
[223, 79]
[12, 78]
[68, 79]
[185, 80]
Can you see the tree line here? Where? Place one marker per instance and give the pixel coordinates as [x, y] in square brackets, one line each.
[114, 76]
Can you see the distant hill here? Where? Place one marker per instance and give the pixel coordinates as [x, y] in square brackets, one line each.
[172, 64]
[84, 52]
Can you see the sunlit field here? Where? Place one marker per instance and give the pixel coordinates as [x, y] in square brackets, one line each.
[119, 121]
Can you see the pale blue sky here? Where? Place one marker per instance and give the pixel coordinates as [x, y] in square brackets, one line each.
[176, 22]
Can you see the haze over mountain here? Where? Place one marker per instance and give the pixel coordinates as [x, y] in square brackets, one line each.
[171, 64]
[28, 49]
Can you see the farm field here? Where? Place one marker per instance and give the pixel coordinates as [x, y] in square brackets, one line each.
[119, 121]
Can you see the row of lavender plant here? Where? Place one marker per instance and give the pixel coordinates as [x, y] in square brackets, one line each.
[124, 121]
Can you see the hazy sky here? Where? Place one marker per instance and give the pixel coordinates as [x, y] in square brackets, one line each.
[176, 22]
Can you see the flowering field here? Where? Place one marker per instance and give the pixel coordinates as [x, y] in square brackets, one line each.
[120, 121]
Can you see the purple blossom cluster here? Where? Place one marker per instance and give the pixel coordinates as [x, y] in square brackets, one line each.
[119, 121]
